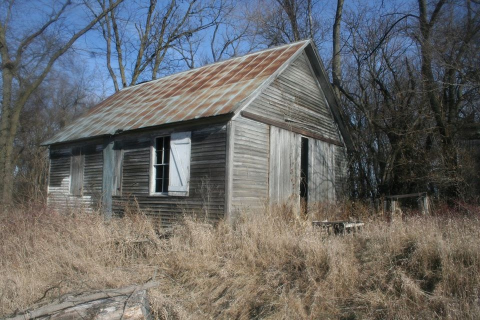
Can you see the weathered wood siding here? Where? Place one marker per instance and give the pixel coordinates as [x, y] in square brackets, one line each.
[266, 165]
[341, 175]
[321, 172]
[59, 193]
[207, 177]
[296, 98]
[284, 186]
[250, 164]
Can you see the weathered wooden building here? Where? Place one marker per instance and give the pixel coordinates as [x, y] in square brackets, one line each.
[214, 140]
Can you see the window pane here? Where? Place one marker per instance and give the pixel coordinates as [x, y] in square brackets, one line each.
[158, 150]
[165, 177]
[167, 156]
[162, 157]
[158, 185]
[158, 172]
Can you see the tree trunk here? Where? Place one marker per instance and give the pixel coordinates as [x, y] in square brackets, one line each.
[336, 59]
[6, 174]
[12, 104]
[431, 90]
[290, 8]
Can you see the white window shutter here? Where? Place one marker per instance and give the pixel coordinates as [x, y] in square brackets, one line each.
[179, 175]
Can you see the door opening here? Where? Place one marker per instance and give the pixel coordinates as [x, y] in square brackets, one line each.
[304, 175]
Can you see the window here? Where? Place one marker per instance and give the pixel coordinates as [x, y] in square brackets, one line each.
[161, 165]
[77, 165]
[170, 171]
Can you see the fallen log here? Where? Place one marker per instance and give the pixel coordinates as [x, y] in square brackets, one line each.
[124, 303]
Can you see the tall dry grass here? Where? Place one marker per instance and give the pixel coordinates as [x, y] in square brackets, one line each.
[268, 265]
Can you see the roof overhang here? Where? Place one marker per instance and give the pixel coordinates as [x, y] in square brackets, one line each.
[181, 125]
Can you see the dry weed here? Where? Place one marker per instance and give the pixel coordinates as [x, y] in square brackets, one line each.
[268, 265]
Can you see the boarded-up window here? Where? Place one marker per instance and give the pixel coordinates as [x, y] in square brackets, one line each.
[76, 173]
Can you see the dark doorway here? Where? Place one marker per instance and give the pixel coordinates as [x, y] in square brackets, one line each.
[304, 175]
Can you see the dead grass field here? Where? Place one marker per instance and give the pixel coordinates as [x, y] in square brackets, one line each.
[268, 265]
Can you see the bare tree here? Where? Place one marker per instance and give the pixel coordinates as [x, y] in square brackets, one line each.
[28, 56]
[285, 21]
[63, 95]
[231, 36]
[447, 32]
[159, 28]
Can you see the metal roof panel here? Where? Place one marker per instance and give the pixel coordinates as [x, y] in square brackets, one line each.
[207, 91]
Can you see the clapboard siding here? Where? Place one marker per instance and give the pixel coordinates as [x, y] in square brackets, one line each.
[59, 194]
[250, 164]
[93, 175]
[136, 170]
[296, 97]
[206, 196]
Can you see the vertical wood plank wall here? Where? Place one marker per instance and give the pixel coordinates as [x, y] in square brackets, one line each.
[284, 187]
[250, 164]
[341, 168]
[321, 175]
[207, 178]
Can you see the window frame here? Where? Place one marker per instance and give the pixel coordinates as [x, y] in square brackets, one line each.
[153, 165]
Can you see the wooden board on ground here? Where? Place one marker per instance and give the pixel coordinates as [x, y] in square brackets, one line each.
[124, 303]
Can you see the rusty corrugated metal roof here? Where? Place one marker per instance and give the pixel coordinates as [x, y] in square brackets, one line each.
[212, 90]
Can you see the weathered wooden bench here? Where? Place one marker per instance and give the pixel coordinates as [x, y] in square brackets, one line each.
[339, 227]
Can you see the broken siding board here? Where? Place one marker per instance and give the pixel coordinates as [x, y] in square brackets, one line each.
[250, 164]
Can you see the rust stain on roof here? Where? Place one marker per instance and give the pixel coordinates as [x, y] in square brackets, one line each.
[212, 90]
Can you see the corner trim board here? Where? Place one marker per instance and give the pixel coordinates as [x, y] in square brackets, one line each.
[229, 170]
